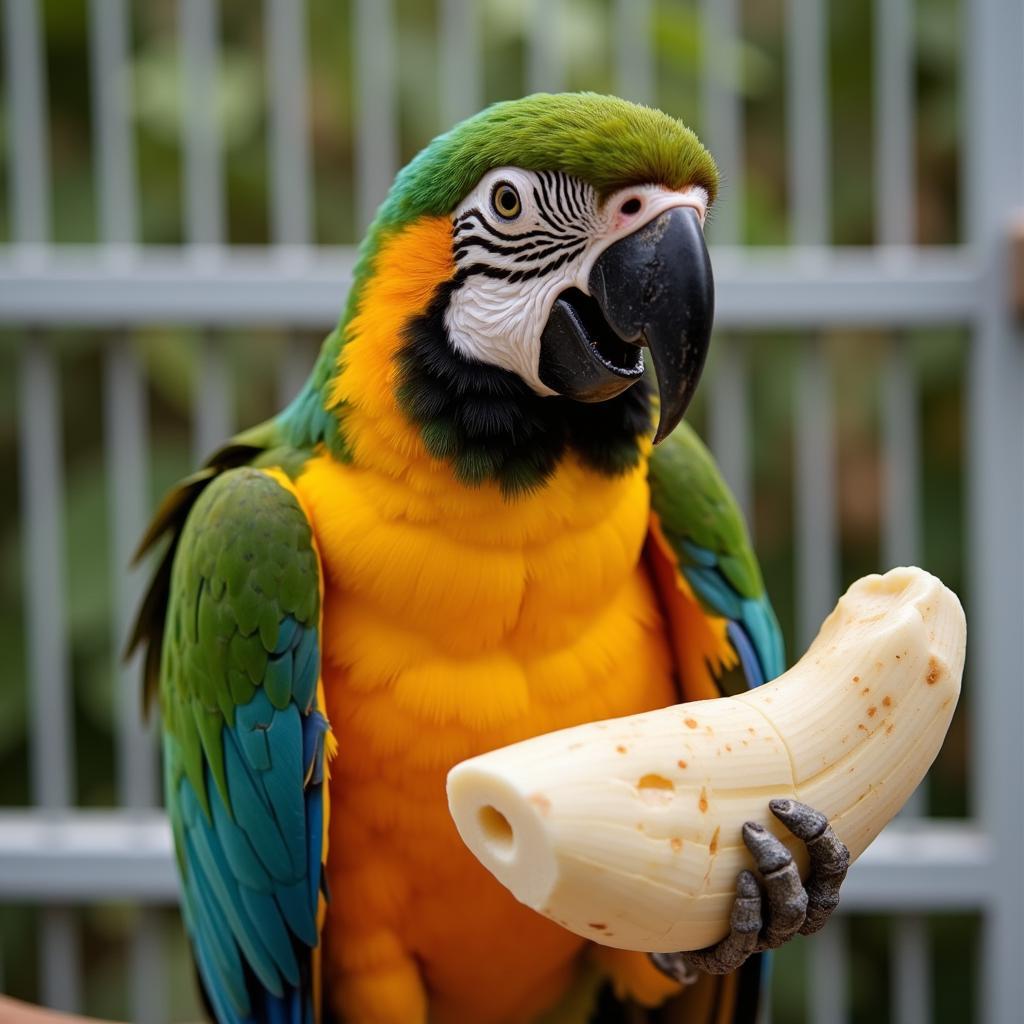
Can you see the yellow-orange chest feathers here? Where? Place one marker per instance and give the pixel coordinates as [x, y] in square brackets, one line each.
[464, 609]
[456, 620]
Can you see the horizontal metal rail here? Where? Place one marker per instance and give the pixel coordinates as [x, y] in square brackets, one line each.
[97, 856]
[301, 287]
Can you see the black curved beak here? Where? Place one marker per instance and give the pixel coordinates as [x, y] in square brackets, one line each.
[655, 289]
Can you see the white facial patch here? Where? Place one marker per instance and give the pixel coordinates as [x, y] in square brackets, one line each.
[523, 237]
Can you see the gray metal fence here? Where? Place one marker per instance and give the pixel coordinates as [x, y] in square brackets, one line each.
[58, 856]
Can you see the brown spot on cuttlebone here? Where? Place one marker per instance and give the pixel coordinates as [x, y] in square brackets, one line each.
[713, 847]
[856, 679]
[865, 691]
[889, 728]
[872, 711]
[541, 802]
[655, 789]
[691, 723]
[887, 702]
[682, 764]
[597, 926]
[621, 749]
[936, 670]
[861, 725]
[676, 843]
[702, 803]
[728, 747]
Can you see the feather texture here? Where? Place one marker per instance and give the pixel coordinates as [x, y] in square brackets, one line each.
[245, 744]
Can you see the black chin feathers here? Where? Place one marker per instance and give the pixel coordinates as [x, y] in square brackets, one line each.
[492, 426]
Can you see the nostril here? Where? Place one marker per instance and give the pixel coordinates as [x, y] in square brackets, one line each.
[630, 206]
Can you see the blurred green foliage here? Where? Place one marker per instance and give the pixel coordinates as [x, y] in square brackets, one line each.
[858, 358]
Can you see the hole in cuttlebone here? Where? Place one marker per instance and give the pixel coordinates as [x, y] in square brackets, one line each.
[496, 829]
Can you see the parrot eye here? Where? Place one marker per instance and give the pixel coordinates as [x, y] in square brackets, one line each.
[506, 202]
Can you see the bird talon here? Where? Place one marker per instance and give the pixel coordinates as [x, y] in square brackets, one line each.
[787, 907]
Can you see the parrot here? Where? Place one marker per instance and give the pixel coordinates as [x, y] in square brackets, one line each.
[482, 518]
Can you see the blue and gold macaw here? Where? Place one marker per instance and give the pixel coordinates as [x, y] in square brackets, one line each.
[457, 536]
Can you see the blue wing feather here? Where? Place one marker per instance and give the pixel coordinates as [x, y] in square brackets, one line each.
[248, 822]
[253, 880]
[753, 629]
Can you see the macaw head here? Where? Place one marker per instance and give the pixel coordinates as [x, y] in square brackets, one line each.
[563, 236]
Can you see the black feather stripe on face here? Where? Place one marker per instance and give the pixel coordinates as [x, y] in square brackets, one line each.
[491, 426]
[562, 206]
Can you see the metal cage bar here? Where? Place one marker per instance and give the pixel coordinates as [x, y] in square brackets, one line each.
[994, 186]
[722, 115]
[461, 68]
[126, 436]
[806, 112]
[52, 741]
[28, 150]
[894, 122]
[829, 976]
[729, 420]
[204, 174]
[545, 67]
[376, 125]
[634, 50]
[728, 411]
[113, 146]
[760, 290]
[291, 206]
[212, 417]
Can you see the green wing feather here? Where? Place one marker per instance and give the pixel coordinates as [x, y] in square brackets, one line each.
[244, 744]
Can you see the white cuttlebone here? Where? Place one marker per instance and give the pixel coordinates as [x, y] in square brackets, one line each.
[628, 832]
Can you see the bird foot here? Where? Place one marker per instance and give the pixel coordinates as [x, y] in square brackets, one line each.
[771, 911]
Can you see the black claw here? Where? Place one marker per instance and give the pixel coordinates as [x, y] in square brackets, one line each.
[803, 821]
[768, 852]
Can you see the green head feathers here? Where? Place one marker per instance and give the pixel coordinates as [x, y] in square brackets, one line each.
[605, 141]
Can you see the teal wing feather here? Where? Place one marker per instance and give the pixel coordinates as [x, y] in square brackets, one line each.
[701, 521]
[244, 745]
